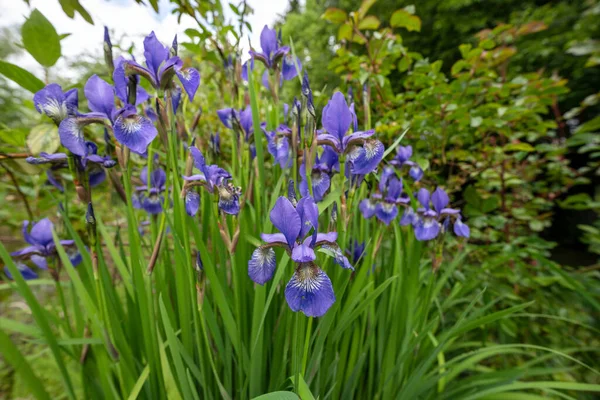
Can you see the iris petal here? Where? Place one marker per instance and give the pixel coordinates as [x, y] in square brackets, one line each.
[134, 131]
[261, 265]
[192, 202]
[285, 218]
[371, 153]
[310, 291]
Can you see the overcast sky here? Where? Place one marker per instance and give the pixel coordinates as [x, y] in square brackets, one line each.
[123, 17]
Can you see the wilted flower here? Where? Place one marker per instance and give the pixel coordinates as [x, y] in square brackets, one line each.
[384, 204]
[429, 221]
[323, 169]
[211, 177]
[364, 154]
[402, 158]
[55, 103]
[310, 289]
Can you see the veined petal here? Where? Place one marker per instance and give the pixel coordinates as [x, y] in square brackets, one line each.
[190, 79]
[155, 53]
[367, 208]
[51, 101]
[268, 41]
[133, 130]
[70, 131]
[427, 229]
[288, 69]
[261, 265]
[285, 218]
[338, 256]
[386, 212]
[310, 291]
[320, 183]
[192, 202]
[369, 157]
[229, 201]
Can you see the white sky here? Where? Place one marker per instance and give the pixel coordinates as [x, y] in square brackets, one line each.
[124, 18]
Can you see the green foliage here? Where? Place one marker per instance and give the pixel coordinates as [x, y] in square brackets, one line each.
[40, 39]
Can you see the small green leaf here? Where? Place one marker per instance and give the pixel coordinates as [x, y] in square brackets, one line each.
[519, 147]
[404, 64]
[43, 137]
[403, 19]
[369, 23]
[21, 77]
[40, 39]
[334, 15]
[459, 66]
[345, 32]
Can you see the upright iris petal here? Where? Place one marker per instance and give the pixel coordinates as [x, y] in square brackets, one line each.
[100, 96]
[337, 116]
[285, 218]
[440, 199]
[310, 291]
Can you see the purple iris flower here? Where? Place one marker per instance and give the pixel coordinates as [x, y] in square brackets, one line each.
[310, 289]
[212, 177]
[129, 128]
[238, 121]
[323, 169]
[364, 153]
[91, 161]
[272, 52]
[384, 204]
[278, 144]
[41, 246]
[161, 66]
[402, 158]
[55, 103]
[150, 196]
[430, 221]
[26, 272]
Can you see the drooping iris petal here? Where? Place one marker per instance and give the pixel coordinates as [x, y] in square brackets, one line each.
[70, 132]
[369, 157]
[320, 183]
[29, 250]
[261, 265]
[41, 233]
[229, 201]
[288, 69]
[338, 256]
[53, 181]
[331, 141]
[427, 229]
[336, 116]
[367, 208]
[39, 261]
[386, 212]
[26, 272]
[226, 117]
[190, 79]
[51, 101]
[96, 176]
[440, 199]
[285, 218]
[100, 95]
[409, 217]
[152, 204]
[310, 291]
[461, 229]
[134, 131]
[192, 202]
[416, 173]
